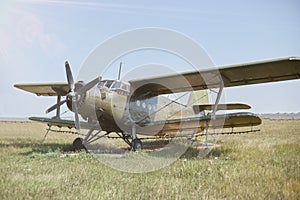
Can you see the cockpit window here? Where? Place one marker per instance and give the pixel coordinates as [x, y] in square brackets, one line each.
[101, 84]
[125, 87]
[108, 83]
[120, 85]
[116, 85]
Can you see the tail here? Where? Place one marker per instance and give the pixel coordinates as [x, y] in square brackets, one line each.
[198, 97]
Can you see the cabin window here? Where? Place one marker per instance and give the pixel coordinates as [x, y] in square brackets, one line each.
[138, 103]
[154, 107]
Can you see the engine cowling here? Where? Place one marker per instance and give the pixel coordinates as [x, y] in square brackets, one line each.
[80, 99]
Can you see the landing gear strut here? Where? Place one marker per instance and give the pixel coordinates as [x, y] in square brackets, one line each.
[136, 143]
[80, 143]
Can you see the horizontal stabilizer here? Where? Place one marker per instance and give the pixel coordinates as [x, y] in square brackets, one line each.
[230, 106]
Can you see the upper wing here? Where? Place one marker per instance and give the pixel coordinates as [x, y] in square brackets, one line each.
[45, 89]
[233, 75]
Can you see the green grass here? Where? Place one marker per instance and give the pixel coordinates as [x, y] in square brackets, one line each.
[261, 165]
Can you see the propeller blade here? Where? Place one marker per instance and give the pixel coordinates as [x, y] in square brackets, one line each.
[75, 109]
[55, 106]
[89, 85]
[69, 76]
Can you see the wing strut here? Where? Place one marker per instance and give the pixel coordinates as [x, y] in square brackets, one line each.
[206, 132]
[213, 115]
[58, 108]
[217, 100]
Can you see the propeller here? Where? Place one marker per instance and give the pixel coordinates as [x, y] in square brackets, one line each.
[74, 95]
[71, 94]
[55, 106]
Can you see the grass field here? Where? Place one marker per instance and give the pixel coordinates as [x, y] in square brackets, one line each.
[264, 165]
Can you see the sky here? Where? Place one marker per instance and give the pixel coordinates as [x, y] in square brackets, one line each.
[38, 36]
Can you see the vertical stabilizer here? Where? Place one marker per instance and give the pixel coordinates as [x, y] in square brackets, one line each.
[198, 97]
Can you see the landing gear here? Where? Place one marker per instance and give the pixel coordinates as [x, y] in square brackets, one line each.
[78, 144]
[136, 144]
[132, 140]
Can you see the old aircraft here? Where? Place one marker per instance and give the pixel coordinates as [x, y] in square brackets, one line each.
[141, 107]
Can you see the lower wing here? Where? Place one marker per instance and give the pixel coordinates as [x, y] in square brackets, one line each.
[60, 122]
[197, 124]
[162, 128]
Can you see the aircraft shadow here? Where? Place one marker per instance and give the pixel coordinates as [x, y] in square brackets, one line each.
[154, 147]
[41, 148]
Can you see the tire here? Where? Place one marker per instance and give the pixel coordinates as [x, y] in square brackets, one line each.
[136, 144]
[77, 144]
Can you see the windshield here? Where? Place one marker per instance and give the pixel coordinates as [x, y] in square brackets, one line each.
[114, 85]
[108, 84]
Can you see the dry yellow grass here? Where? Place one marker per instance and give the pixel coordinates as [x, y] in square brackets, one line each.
[31, 131]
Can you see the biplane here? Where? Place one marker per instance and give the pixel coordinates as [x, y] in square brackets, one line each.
[141, 107]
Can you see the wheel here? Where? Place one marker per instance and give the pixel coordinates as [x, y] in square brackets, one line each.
[77, 144]
[136, 144]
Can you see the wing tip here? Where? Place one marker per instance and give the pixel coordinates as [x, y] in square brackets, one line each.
[17, 85]
[294, 58]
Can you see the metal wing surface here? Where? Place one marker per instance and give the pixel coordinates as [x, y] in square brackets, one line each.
[45, 89]
[231, 106]
[242, 119]
[233, 75]
[60, 122]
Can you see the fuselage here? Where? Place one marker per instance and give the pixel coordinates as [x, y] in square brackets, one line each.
[110, 104]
